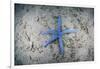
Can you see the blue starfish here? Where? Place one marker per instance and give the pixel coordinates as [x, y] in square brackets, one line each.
[57, 35]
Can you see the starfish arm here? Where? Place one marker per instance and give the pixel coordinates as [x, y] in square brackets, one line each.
[59, 24]
[49, 41]
[69, 31]
[61, 49]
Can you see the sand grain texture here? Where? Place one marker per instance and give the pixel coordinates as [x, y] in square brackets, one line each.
[30, 20]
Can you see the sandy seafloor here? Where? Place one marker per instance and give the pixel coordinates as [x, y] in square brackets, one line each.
[30, 20]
